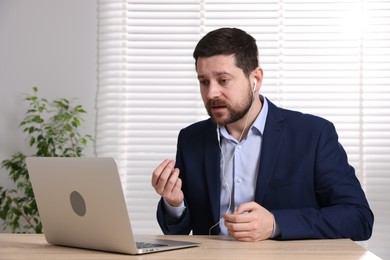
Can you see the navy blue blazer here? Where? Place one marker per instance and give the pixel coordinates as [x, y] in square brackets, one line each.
[304, 179]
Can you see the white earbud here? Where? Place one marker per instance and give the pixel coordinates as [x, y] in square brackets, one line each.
[254, 85]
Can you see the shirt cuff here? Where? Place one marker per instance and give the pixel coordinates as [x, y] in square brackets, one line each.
[276, 231]
[174, 212]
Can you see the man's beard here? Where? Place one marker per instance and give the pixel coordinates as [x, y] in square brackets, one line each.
[233, 114]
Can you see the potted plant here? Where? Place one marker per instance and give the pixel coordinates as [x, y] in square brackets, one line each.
[52, 130]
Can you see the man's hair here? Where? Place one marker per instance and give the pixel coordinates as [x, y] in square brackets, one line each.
[228, 41]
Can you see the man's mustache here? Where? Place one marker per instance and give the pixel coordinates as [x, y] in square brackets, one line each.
[216, 103]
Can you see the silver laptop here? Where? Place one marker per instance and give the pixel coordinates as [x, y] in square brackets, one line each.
[81, 204]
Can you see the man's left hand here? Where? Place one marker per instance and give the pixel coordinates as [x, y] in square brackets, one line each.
[250, 222]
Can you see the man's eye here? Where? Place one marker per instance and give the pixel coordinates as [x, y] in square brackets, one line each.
[203, 82]
[223, 82]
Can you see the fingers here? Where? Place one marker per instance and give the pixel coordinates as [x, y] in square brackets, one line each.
[166, 182]
[171, 183]
[165, 168]
[242, 231]
[250, 222]
[241, 214]
[246, 207]
[239, 222]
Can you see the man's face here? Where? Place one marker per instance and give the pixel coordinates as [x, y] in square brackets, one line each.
[226, 92]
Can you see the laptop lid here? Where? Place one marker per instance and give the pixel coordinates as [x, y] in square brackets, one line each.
[81, 204]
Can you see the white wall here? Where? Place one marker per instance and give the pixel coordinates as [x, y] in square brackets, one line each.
[50, 44]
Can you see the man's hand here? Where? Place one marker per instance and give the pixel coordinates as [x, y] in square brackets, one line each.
[166, 182]
[250, 222]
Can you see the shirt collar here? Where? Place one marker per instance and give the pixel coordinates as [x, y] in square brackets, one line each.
[259, 123]
[257, 126]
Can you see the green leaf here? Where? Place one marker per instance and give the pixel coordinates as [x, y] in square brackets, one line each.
[37, 119]
[32, 141]
[52, 130]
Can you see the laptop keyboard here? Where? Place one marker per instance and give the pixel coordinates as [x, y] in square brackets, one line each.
[148, 245]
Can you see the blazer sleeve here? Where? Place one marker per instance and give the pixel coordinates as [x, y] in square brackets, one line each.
[342, 210]
[181, 226]
[173, 226]
[197, 157]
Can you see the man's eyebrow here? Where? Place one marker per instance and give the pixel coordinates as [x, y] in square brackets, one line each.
[218, 73]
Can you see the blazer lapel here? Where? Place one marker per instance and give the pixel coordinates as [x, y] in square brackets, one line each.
[212, 171]
[271, 145]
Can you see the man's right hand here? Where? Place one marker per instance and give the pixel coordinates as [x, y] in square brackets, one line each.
[166, 182]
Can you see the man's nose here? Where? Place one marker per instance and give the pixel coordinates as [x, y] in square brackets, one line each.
[214, 90]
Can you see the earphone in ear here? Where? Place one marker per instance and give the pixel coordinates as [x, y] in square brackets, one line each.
[254, 85]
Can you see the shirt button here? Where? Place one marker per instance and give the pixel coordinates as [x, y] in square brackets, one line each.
[238, 180]
[239, 147]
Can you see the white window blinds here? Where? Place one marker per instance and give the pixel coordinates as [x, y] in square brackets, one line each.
[329, 58]
[147, 91]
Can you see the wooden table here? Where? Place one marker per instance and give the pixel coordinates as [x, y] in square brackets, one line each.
[27, 246]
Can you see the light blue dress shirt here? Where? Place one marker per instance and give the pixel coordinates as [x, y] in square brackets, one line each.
[239, 168]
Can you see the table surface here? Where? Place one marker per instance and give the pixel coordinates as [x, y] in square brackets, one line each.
[34, 246]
